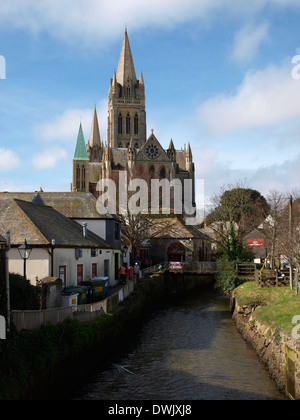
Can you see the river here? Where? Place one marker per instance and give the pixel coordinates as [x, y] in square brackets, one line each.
[190, 351]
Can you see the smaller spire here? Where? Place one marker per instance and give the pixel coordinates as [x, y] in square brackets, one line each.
[171, 152]
[171, 145]
[114, 78]
[141, 81]
[80, 151]
[95, 139]
[131, 151]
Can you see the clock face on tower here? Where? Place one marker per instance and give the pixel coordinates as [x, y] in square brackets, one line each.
[152, 151]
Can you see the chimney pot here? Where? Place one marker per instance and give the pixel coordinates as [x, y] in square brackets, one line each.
[84, 229]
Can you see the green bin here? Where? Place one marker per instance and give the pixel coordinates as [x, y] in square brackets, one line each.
[82, 292]
[98, 288]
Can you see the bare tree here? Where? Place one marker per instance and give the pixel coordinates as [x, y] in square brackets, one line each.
[289, 240]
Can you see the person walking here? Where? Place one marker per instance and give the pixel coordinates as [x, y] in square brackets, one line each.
[123, 275]
[137, 272]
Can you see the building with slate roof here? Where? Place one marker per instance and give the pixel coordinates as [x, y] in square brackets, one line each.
[80, 207]
[61, 247]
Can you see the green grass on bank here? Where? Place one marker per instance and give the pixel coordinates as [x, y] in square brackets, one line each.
[275, 306]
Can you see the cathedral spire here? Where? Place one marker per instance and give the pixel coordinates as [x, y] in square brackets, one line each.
[95, 139]
[126, 71]
[80, 151]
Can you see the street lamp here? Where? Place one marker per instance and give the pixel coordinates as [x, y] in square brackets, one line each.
[25, 251]
[124, 250]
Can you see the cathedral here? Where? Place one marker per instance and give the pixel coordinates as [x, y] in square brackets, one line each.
[127, 147]
[128, 150]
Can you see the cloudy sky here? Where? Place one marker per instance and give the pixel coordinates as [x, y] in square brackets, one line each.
[223, 75]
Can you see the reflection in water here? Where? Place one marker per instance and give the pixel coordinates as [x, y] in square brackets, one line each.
[191, 351]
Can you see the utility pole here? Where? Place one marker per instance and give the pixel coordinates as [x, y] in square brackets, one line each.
[7, 282]
[291, 244]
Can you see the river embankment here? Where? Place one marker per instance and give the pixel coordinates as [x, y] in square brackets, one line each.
[264, 317]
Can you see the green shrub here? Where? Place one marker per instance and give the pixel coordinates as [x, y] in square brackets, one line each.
[23, 295]
[227, 279]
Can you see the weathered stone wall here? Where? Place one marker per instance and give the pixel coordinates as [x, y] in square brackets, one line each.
[277, 350]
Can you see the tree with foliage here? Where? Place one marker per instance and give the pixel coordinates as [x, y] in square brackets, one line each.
[23, 295]
[234, 211]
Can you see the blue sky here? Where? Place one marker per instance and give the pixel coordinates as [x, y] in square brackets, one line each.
[218, 74]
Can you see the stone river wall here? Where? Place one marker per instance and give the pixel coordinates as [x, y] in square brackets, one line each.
[277, 350]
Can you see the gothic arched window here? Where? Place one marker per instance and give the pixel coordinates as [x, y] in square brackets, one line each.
[128, 124]
[77, 178]
[136, 124]
[120, 123]
[83, 178]
[151, 172]
[162, 173]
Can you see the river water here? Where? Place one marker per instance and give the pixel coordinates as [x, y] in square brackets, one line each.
[190, 351]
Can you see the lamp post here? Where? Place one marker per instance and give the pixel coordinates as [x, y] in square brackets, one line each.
[52, 255]
[25, 251]
[124, 251]
[7, 280]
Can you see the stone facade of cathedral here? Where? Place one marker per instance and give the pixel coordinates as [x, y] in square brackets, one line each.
[127, 147]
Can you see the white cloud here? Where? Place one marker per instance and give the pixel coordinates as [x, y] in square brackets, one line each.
[94, 20]
[49, 158]
[282, 175]
[265, 97]
[248, 41]
[65, 127]
[9, 160]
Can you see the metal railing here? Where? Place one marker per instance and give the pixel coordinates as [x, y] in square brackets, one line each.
[192, 266]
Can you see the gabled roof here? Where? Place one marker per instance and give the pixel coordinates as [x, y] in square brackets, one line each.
[75, 205]
[143, 153]
[173, 227]
[40, 224]
[80, 151]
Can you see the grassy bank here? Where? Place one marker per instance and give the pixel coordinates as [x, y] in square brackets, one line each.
[274, 306]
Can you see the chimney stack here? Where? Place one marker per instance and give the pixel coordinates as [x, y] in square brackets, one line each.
[84, 230]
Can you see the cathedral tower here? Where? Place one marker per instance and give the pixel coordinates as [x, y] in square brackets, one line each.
[126, 104]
